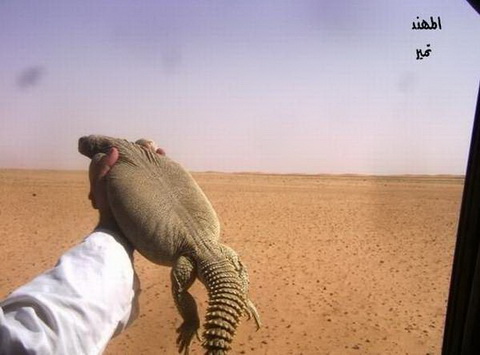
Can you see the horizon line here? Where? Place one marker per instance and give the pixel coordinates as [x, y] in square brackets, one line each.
[406, 175]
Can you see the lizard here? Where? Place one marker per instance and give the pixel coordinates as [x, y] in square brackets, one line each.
[167, 217]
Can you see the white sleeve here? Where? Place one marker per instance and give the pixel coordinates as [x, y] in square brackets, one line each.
[76, 307]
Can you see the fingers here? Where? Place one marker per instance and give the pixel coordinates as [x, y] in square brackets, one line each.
[101, 164]
[150, 145]
[93, 174]
[104, 163]
[99, 167]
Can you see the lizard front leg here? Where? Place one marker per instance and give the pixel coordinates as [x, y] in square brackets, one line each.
[183, 275]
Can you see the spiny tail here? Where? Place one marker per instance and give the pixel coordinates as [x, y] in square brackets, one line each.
[226, 305]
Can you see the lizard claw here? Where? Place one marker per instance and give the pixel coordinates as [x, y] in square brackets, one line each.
[252, 312]
[185, 335]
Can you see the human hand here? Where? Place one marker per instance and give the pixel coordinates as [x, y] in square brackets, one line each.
[99, 167]
[150, 145]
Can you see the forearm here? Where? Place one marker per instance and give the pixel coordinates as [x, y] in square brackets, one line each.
[76, 307]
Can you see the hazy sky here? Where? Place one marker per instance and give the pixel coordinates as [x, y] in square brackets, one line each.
[306, 86]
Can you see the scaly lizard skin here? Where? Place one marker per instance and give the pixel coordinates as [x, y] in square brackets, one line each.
[169, 220]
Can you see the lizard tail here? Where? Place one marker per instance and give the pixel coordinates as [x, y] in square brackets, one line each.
[226, 305]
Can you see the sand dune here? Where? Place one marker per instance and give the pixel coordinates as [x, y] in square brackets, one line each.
[338, 265]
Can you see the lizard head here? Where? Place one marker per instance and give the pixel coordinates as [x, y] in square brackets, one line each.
[93, 144]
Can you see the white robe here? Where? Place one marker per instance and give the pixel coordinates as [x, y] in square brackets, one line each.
[76, 307]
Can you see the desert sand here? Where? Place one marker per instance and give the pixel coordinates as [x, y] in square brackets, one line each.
[338, 264]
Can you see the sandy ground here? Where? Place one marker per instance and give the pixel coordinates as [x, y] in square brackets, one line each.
[338, 265]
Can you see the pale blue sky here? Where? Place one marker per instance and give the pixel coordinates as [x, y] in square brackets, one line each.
[275, 86]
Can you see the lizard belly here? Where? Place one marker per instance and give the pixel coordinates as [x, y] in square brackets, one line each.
[156, 217]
